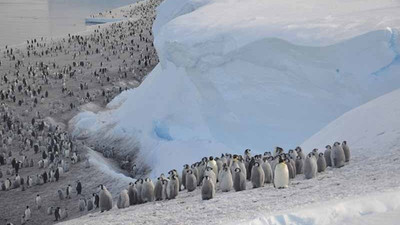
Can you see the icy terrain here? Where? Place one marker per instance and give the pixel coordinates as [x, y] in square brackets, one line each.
[364, 192]
[236, 74]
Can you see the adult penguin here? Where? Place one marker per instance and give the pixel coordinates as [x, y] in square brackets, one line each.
[123, 199]
[191, 181]
[281, 175]
[327, 155]
[257, 175]
[267, 171]
[105, 201]
[239, 182]
[78, 188]
[321, 163]
[208, 189]
[310, 166]
[337, 155]
[184, 172]
[299, 165]
[173, 187]
[38, 201]
[147, 191]
[225, 179]
[346, 151]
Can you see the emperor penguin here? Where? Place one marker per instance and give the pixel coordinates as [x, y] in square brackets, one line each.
[138, 184]
[87, 163]
[281, 175]
[191, 181]
[38, 201]
[299, 165]
[300, 152]
[267, 171]
[207, 189]
[337, 155]
[242, 166]
[158, 190]
[50, 210]
[60, 195]
[239, 182]
[210, 173]
[132, 192]
[195, 171]
[123, 199]
[184, 171]
[310, 167]
[219, 164]
[27, 213]
[90, 204]
[292, 154]
[321, 163]
[327, 155]
[173, 187]
[69, 191]
[82, 204]
[106, 201]
[278, 151]
[257, 175]
[213, 165]
[225, 179]
[291, 170]
[147, 191]
[247, 154]
[346, 151]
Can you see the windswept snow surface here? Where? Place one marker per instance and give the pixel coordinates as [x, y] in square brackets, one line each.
[364, 192]
[236, 74]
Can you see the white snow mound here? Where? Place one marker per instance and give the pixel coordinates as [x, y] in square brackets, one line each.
[236, 74]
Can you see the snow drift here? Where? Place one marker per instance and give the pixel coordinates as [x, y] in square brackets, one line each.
[237, 74]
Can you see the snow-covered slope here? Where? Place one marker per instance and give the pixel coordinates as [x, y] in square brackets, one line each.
[366, 191]
[238, 74]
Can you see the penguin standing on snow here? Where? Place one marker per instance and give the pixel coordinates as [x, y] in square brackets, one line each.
[281, 174]
[38, 201]
[310, 167]
[173, 187]
[89, 204]
[327, 155]
[184, 171]
[191, 181]
[105, 200]
[158, 190]
[147, 191]
[321, 163]
[300, 152]
[27, 213]
[239, 182]
[257, 175]
[267, 171]
[225, 182]
[78, 187]
[337, 155]
[208, 189]
[123, 199]
[346, 151]
[82, 204]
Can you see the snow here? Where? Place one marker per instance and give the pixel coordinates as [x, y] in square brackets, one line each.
[237, 74]
[364, 191]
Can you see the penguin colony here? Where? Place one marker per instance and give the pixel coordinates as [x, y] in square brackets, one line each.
[45, 81]
[232, 172]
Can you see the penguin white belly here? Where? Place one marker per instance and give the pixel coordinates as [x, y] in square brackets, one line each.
[281, 178]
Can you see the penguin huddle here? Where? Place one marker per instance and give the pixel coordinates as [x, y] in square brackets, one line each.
[232, 172]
